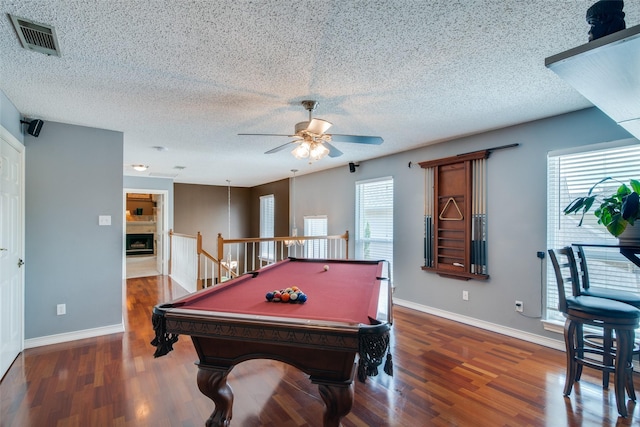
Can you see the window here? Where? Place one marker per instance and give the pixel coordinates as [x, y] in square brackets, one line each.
[374, 220]
[315, 226]
[267, 217]
[571, 175]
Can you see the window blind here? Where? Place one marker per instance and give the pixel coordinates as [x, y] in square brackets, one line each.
[267, 220]
[572, 175]
[374, 220]
[315, 226]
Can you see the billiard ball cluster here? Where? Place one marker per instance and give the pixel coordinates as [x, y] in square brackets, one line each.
[292, 294]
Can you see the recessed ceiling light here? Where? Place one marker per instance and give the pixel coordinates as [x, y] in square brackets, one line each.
[140, 168]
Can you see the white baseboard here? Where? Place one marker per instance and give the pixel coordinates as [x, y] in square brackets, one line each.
[72, 336]
[493, 327]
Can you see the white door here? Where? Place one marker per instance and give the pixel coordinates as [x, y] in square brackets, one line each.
[11, 243]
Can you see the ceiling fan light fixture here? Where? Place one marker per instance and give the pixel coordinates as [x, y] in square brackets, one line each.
[313, 143]
[302, 150]
[318, 151]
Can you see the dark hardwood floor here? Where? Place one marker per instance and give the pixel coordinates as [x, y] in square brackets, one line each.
[446, 374]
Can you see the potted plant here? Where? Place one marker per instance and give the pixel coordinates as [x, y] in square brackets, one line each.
[616, 211]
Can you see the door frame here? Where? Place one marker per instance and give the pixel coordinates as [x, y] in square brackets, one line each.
[163, 239]
[5, 135]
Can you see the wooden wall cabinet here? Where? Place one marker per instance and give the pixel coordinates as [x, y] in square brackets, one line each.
[455, 220]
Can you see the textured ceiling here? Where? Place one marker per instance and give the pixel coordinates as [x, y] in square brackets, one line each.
[191, 75]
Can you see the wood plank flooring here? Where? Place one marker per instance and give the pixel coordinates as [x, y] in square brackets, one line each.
[446, 374]
[141, 266]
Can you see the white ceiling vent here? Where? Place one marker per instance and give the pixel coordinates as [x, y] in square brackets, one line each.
[37, 37]
[163, 175]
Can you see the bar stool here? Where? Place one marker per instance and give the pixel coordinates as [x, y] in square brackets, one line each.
[622, 296]
[606, 314]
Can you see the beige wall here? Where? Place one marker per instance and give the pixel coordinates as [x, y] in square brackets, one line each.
[280, 191]
[204, 209]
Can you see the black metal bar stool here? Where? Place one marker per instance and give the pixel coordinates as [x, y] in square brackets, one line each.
[606, 314]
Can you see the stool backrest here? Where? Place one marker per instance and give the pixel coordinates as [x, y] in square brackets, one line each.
[584, 270]
[566, 270]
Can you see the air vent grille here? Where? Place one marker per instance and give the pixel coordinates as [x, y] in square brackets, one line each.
[163, 175]
[37, 37]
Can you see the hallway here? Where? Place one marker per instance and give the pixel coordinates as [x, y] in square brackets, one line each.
[141, 266]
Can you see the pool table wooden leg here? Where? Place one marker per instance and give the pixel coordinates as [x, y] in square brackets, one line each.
[212, 382]
[338, 400]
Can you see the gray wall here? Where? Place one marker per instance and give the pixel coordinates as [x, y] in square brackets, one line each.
[73, 175]
[10, 117]
[516, 213]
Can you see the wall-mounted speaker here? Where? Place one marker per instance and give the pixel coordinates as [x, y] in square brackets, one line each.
[35, 126]
[353, 166]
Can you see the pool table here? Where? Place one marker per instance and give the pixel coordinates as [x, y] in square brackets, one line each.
[348, 312]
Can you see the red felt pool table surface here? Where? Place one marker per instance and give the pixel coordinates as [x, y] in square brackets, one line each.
[347, 292]
[348, 313]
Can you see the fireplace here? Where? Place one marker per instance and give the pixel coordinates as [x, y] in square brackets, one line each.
[140, 244]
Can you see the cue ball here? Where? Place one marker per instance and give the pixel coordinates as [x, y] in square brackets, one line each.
[326, 268]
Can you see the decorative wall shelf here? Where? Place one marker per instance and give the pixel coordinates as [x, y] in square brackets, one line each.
[606, 71]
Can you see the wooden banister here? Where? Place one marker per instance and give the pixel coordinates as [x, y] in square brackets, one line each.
[210, 269]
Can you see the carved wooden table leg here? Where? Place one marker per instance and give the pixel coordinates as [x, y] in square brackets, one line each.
[338, 400]
[212, 382]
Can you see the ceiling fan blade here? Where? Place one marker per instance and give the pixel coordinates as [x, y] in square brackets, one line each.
[333, 151]
[266, 134]
[281, 147]
[318, 126]
[357, 139]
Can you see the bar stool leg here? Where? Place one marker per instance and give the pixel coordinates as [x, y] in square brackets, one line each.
[607, 358]
[622, 367]
[629, 378]
[579, 346]
[570, 345]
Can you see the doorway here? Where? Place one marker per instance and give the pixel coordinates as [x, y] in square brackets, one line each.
[146, 233]
[11, 249]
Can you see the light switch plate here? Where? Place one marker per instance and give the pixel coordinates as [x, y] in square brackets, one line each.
[104, 220]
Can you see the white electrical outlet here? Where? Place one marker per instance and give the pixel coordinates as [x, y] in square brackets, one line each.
[465, 295]
[519, 306]
[62, 309]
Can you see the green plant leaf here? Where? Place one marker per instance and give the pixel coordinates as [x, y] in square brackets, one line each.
[615, 211]
[617, 225]
[623, 190]
[575, 205]
[596, 184]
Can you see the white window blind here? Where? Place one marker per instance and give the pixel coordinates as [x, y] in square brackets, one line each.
[374, 220]
[267, 219]
[572, 175]
[315, 226]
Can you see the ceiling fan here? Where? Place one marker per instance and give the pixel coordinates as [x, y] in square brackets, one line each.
[312, 142]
